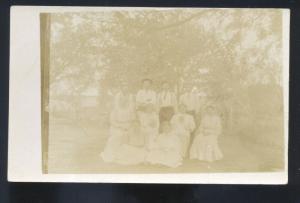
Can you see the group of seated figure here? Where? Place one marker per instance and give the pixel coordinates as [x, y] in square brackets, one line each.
[153, 128]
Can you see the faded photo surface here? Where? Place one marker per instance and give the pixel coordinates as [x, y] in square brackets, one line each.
[162, 91]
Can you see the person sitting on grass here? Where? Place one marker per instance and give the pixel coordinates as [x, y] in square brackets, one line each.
[184, 125]
[117, 150]
[166, 149]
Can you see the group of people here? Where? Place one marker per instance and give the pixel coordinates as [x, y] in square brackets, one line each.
[158, 128]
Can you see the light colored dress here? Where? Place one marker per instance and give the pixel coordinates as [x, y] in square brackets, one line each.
[166, 104]
[136, 138]
[205, 145]
[190, 100]
[144, 97]
[166, 150]
[183, 124]
[130, 155]
[166, 98]
[128, 99]
[117, 149]
[149, 124]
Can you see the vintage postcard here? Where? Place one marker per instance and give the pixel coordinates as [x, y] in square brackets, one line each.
[149, 95]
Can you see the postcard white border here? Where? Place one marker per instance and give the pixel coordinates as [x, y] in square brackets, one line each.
[24, 160]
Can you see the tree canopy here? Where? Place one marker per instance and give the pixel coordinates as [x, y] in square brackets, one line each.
[217, 49]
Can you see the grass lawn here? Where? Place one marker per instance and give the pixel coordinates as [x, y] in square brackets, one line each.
[75, 148]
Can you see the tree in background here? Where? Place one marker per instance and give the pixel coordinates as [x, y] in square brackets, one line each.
[221, 51]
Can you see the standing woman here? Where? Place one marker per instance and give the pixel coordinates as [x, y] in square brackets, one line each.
[149, 124]
[166, 149]
[167, 103]
[145, 96]
[190, 100]
[117, 149]
[205, 145]
[184, 125]
[146, 110]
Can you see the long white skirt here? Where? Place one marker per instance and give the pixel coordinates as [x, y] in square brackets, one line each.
[168, 158]
[136, 138]
[118, 151]
[206, 148]
[184, 142]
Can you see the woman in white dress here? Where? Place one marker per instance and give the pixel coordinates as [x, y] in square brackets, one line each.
[147, 118]
[184, 125]
[166, 149]
[205, 145]
[149, 124]
[190, 100]
[166, 103]
[145, 96]
[117, 149]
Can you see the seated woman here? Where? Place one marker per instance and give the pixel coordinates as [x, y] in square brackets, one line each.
[184, 125]
[117, 149]
[205, 145]
[166, 149]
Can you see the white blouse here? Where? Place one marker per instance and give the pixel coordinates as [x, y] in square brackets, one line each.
[146, 97]
[166, 98]
[190, 100]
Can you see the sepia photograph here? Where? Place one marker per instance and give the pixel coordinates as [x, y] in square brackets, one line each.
[148, 95]
[162, 91]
